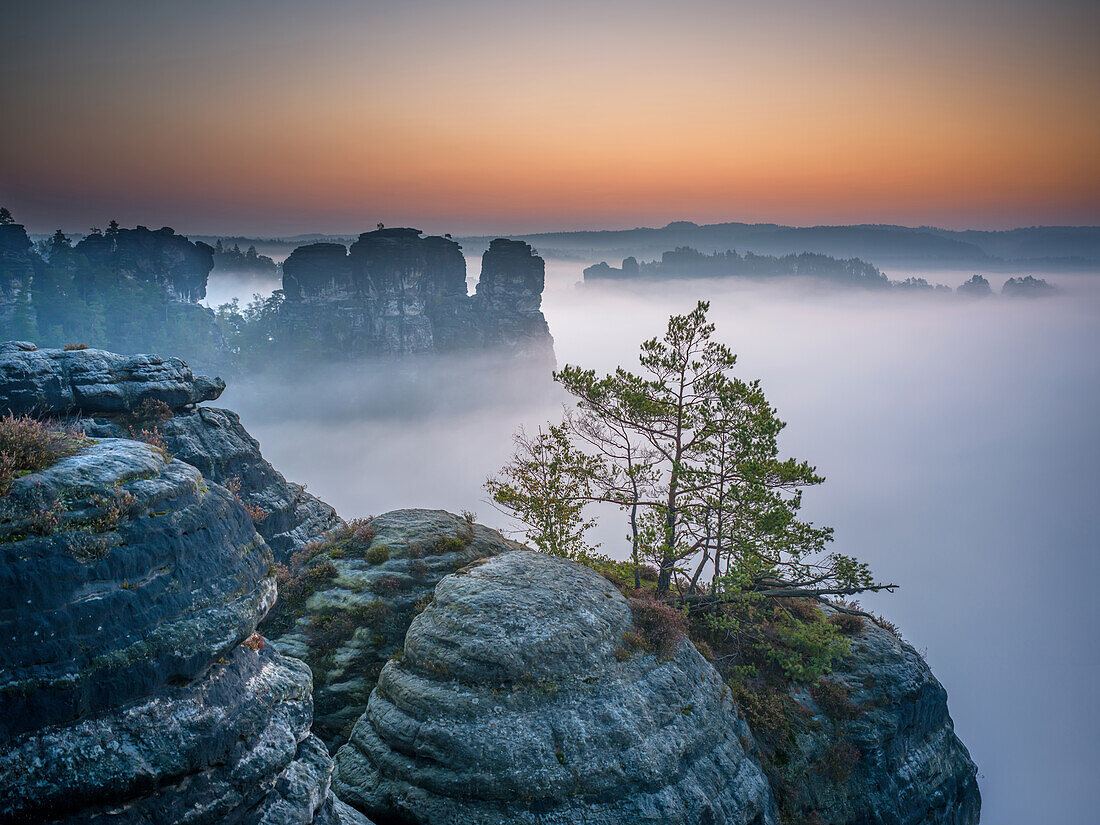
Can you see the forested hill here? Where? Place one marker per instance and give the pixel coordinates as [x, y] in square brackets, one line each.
[686, 262]
[1062, 247]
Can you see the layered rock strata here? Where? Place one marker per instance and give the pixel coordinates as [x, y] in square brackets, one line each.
[127, 587]
[516, 701]
[509, 297]
[160, 256]
[398, 293]
[350, 602]
[889, 743]
[120, 396]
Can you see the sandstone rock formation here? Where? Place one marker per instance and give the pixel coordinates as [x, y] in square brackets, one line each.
[16, 271]
[160, 256]
[516, 700]
[889, 722]
[351, 599]
[396, 293]
[508, 298]
[118, 397]
[129, 584]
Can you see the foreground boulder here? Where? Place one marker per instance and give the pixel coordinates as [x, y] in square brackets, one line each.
[346, 602]
[122, 396]
[133, 688]
[519, 698]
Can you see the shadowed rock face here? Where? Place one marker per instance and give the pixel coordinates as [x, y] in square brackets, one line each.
[911, 768]
[515, 701]
[508, 298]
[160, 256]
[395, 293]
[109, 389]
[127, 586]
[358, 615]
[317, 270]
[96, 614]
[17, 263]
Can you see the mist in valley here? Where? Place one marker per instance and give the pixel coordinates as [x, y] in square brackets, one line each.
[957, 436]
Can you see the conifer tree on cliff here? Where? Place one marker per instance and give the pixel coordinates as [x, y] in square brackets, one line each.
[5, 216]
[691, 452]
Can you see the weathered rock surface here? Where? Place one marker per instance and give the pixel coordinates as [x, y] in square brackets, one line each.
[214, 441]
[508, 298]
[398, 293]
[92, 381]
[127, 586]
[353, 600]
[109, 390]
[907, 766]
[161, 256]
[515, 701]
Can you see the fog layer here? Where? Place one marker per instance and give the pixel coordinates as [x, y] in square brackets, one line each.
[958, 438]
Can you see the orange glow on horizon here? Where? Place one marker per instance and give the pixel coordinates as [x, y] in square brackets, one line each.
[798, 122]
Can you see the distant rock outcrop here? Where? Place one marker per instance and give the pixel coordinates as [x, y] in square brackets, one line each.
[398, 293]
[132, 688]
[517, 700]
[508, 298]
[121, 396]
[349, 599]
[16, 271]
[160, 256]
[687, 262]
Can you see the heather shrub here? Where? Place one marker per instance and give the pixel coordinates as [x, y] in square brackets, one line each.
[847, 623]
[660, 626]
[27, 445]
[833, 699]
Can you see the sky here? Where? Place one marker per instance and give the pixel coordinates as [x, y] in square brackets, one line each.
[280, 117]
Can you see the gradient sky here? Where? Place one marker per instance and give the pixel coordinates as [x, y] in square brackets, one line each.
[494, 116]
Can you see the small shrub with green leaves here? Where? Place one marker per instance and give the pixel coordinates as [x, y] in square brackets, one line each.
[448, 544]
[378, 554]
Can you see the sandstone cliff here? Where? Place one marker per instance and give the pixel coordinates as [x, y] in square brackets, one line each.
[16, 273]
[160, 256]
[397, 293]
[122, 396]
[130, 585]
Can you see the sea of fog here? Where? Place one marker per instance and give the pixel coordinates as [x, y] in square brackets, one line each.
[958, 437]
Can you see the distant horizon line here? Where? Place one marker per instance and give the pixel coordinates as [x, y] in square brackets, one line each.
[264, 236]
